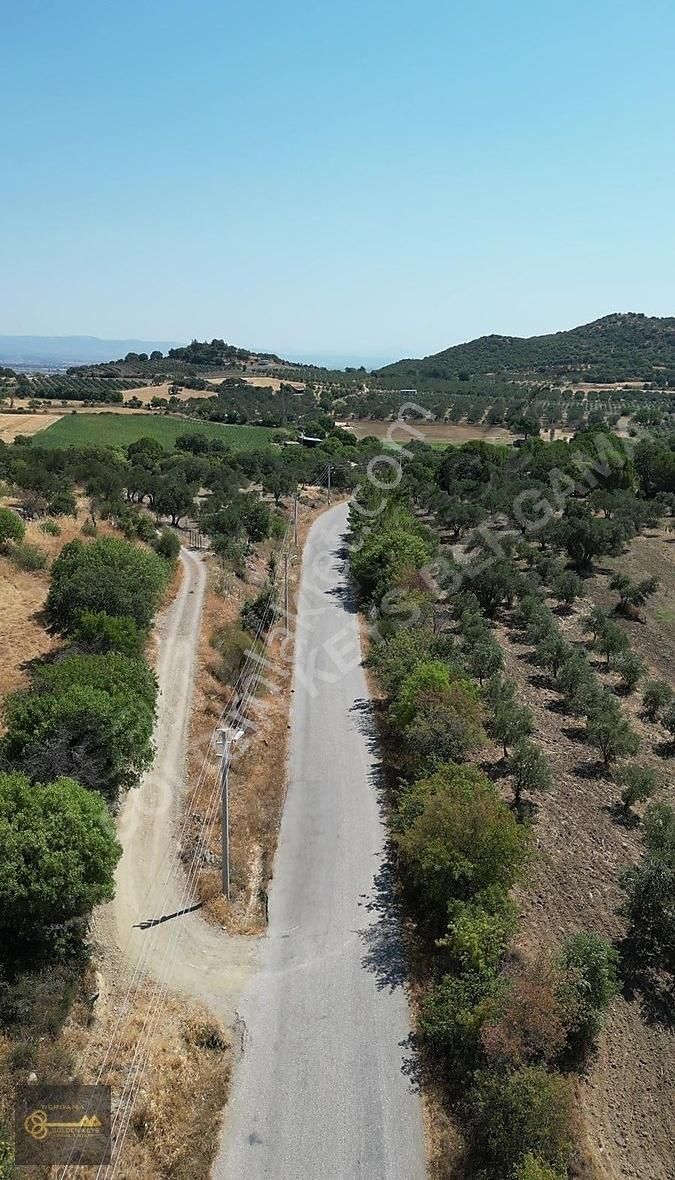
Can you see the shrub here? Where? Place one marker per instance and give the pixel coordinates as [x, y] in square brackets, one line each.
[551, 652]
[528, 1111]
[452, 1016]
[534, 1168]
[611, 641]
[479, 931]
[63, 503]
[50, 528]
[258, 614]
[530, 1024]
[167, 545]
[592, 964]
[12, 527]
[29, 558]
[668, 719]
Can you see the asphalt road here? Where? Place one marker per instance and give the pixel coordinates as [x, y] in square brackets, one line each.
[323, 1088]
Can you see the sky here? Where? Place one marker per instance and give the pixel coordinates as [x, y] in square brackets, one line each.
[362, 179]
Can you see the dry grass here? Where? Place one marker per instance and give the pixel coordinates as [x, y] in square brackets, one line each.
[13, 424]
[258, 775]
[22, 632]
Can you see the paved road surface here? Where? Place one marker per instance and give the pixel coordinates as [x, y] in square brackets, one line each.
[322, 1091]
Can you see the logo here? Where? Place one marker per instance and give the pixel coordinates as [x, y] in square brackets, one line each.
[62, 1125]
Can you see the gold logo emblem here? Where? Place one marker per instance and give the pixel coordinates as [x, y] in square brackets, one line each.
[38, 1126]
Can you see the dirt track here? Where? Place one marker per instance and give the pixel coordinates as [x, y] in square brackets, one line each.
[177, 947]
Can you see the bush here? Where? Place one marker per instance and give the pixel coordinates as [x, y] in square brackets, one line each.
[479, 931]
[106, 575]
[452, 1016]
[530, 1024]
[63, 503]
[29, 558]
[533, 1168]
[525, 1112]
[50, 528]
[258, 614]
[232, 644]
[167, 545]
[592, 964]
[58, 853]
[12, 527]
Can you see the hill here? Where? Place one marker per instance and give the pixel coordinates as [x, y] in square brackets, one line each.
[615, 348]
[198, 357]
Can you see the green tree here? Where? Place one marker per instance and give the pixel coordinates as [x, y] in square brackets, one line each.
[100, 633]
[511, 722]
[89, 716]
[530, 768]
[609, 731]
[567, 587]
[656, 696]
[167, 545]
[611, 641]
[551, 652]
[633, 594]
[457, 839]
[485, 659]
[639, 784]
[528, 1111]
[631, 669]
[452, 1015]
[58, 853]
[105, 575]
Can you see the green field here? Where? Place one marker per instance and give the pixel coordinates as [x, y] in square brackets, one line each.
[118, 430]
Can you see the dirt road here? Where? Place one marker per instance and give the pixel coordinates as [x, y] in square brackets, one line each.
[152, 919]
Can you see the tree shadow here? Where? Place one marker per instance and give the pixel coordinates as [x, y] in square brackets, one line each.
[621, 817]
[644, 982]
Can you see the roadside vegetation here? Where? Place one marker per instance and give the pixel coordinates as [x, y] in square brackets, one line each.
[464, 589]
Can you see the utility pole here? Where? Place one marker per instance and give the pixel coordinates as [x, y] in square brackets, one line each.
[329, 483]
[295, 520]
[227, 737]
[286, 590]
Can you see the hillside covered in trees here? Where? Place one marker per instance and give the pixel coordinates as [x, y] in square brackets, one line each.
[615, 348]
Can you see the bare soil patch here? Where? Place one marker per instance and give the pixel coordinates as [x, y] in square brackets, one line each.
[652, 636]
[574, 885]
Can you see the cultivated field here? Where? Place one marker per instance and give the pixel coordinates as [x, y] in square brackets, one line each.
[13, 424]
[110, 429]
[436, 433]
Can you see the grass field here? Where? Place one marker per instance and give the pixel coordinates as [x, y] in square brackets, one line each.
[117, 430]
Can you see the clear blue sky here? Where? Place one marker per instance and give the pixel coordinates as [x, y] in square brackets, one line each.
[362, 177]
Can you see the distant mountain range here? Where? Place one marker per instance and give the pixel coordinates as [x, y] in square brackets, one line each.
[61, 351]
[619, 347]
